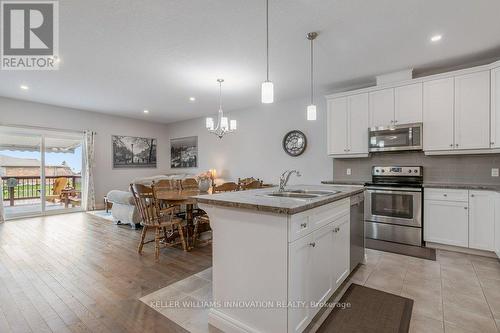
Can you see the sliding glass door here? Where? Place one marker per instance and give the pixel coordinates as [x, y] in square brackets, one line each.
[41, 171]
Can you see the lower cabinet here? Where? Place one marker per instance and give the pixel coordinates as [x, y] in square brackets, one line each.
[497, 224]
[446, 222]
[482, 220]
[462, 218]
[318, 264]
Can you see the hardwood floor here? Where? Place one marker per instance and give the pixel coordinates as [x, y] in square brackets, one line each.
[80, 273]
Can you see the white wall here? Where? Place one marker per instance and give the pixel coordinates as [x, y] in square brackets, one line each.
[106, 178]
[255, 150]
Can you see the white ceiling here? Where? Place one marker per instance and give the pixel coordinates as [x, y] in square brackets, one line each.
[123, 56]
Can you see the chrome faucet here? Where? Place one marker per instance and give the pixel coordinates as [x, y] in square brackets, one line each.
[285, 176]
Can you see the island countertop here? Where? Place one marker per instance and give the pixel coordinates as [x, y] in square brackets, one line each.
[257, 199]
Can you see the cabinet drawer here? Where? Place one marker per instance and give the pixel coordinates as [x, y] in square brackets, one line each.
[306, 222]
[446, 194]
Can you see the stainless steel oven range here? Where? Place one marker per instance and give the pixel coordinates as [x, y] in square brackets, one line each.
[394, 204]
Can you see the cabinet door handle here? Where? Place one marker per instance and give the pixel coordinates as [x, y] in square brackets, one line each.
[303, 225]
[313, 244]
[456, 144]
[445, 195]
[466, 208]
[451, 145]
[492, 143]
[336, 229]
[395, 121]
[472, 195]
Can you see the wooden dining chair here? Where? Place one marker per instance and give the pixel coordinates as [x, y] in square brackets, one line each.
[189, 184]
[226, 187]
[252, 185]
[200, 221]
[162, 221]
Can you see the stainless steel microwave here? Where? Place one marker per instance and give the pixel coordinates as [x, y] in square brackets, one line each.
[394, 138]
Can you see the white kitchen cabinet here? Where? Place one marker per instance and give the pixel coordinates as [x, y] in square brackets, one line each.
[495, 108]
[340, 253]
[337, 126]
[322, 263]
[318, 262]
[472, 111]
[497, 224]
[358, 124]
[299, 282]
[438, 114]
[446, 222]
[348, 126]
[408, 104]
[482, 220]
[382, 108]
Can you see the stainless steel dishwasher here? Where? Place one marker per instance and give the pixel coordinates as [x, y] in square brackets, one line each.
[357, 252]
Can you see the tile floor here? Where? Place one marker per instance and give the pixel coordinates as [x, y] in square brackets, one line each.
[456, 293]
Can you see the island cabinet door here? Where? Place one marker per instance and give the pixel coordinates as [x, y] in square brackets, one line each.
[340, 250]
[322, 265]
[299, 281]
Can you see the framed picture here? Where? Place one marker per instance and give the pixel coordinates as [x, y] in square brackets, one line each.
[184, 152]
[133, 152]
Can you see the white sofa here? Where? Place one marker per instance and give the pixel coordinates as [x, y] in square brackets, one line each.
[124, 210]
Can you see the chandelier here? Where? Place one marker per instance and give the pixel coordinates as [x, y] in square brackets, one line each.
[224, 125]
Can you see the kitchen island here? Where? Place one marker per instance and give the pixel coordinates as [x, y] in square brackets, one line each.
[277, 255]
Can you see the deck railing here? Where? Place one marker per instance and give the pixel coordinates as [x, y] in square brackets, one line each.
[29, 187]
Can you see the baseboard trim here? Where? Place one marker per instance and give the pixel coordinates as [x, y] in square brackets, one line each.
[461, 249]
[228, 324]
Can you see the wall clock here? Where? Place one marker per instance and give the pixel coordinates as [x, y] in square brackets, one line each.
[294, 143]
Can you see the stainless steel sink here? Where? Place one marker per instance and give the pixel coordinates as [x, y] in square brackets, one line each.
[319, 193]
[302, 194]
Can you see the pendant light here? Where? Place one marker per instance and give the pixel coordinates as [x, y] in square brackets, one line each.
[267, 86]
[224, 125]
[311, 108]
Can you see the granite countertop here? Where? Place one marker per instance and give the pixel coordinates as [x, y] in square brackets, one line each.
[257, 199]
[463, 186]
[344, 182]
[459, 186]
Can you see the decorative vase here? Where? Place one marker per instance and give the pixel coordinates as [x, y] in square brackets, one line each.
[204, 185]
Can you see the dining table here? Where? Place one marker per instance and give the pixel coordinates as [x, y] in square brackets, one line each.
[182, 197]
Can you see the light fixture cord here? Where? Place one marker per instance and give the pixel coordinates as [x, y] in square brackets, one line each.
[312, 73]
[267, 40]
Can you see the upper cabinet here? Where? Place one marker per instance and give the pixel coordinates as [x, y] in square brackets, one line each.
[457, 113]
[472, 111]
[396, 106]
[438, 114]
[382, 108]
[460, 112]
[408, 104]
[348, 126]
[495, 108]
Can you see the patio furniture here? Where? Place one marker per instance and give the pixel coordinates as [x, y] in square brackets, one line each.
[59, 185]
[124, 210]
[154, 218]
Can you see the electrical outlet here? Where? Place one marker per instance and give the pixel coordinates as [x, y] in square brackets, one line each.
[494, 172]
[348, 171]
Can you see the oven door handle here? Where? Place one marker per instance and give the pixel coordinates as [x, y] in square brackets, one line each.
[392, 189]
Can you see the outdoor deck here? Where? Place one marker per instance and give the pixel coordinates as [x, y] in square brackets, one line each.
[23, 198]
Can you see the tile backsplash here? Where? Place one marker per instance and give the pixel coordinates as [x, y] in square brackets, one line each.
[446, 169]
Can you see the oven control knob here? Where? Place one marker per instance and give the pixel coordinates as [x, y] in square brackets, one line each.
[409, 171]
[416, 171]
[383, 170]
